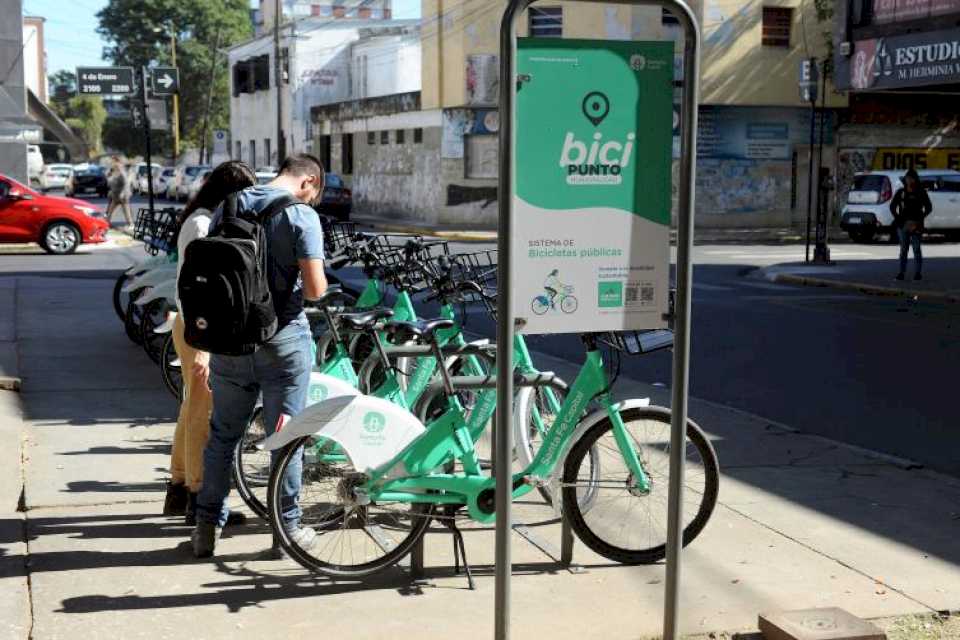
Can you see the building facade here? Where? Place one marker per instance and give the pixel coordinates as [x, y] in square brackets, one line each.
[901, 64]
[34, 57]
[262, 16]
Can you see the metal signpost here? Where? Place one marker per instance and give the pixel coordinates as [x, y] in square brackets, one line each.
[585, 152]
[106, 81]
[809, 77]
[146, 130]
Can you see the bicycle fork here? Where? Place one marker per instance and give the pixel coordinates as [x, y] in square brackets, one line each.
[638, 480]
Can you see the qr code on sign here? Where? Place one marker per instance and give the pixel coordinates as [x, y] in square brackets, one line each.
[639, 293]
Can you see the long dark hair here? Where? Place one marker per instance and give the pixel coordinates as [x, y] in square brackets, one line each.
[226, 178]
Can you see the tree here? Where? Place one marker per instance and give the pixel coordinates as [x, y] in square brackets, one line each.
[138, 33]
[62, 86]
[86, 116]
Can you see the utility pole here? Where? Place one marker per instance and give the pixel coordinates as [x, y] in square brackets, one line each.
[146, 131]
[176, 99]
[281, 139]
[206, 114]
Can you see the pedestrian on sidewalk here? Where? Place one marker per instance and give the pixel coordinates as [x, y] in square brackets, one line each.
[119, 196]
[280, 368]
[193, 422]
[910, 206]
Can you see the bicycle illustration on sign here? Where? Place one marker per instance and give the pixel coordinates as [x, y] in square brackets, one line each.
[556, 292]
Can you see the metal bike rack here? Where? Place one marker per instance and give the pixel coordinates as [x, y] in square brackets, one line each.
[503, 445]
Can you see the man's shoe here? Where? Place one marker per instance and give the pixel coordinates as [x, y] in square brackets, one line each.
[304, 537]
[175, 503]
[899, 276]
[204, 539]
[917, 276]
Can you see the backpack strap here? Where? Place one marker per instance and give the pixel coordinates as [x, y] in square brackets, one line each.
[229, 211]
[276, 206]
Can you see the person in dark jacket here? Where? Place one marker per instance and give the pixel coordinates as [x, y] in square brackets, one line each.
[910, 206]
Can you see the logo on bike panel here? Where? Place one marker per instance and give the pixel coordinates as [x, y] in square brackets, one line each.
[374, 422]
[558, 296]
[318, 393]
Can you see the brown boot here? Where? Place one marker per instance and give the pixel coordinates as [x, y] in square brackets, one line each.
[175, 503]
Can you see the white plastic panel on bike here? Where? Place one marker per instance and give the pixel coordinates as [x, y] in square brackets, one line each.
[310, 421]
[150, 278]
[166, 289]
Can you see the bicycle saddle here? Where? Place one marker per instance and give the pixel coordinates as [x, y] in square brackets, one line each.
[420, 329]
[330, 297]
[364, 320]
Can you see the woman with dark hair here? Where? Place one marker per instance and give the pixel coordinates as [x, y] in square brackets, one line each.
[193, 422]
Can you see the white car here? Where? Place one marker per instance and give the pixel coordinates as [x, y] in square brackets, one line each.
[140, 178]
[161, 177]
[867, 211]
[55, 176]
[184, 178]
[197, 183]
[265, 175]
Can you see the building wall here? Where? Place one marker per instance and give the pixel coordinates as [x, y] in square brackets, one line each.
[34, 57]
[297, 9]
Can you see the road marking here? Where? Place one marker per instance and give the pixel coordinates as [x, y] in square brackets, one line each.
[710, 287]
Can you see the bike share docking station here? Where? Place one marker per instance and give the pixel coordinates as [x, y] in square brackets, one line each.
[585, 212]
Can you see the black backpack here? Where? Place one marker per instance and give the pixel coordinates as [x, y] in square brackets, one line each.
[226, 304]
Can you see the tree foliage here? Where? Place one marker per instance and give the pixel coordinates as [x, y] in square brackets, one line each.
[138, 33]
[86, 116]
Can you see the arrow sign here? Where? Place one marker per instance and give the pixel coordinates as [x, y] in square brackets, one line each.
[165, 81]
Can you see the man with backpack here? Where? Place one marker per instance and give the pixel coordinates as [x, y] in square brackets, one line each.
[242, 290]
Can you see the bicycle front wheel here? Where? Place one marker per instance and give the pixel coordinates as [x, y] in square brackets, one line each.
[621, 523]
[251, 466]
[170, 368]
[348, 539]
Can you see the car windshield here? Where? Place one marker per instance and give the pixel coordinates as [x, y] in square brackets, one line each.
[868, 183]
[193, 171]
[168, 172]
[142, 171]
[332, 180]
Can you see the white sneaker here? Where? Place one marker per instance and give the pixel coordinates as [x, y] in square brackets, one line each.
[303, 537]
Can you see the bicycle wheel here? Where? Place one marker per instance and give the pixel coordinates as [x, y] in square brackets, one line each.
[170, 369]
[131, 323]
[620, 523]
[568, 304]
[154, 314]
[540, 305]
[120, 299]
[251, 466]
[352, 540]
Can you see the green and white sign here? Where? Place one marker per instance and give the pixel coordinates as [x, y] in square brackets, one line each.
[591, 207]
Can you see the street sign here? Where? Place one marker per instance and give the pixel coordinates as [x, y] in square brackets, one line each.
[105, 81]
[593, 185]
[165, 81]
[157, 114]
[809, 80]
[220, 137]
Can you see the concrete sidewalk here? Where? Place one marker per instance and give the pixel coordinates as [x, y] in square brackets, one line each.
[801, 522]
[941, 276]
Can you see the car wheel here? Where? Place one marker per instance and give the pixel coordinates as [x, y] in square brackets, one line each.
[863, 236]
[60, 238]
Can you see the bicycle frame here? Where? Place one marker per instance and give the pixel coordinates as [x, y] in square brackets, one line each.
[448, 438]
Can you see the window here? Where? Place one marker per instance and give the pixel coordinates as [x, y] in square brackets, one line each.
[266, 151]
[285, 65]
[384, 137]
[417, 135]
[346, 154]
[400, 136]
[546, 22]
[253, 153]
[371, 138]
[239, 153]
[776, 26]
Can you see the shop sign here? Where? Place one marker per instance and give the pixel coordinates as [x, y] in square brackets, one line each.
[908, 60]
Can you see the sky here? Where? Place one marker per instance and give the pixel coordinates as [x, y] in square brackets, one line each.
[71, 36]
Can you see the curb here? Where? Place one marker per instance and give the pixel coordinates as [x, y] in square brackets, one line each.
[869, 289]
[462, 236]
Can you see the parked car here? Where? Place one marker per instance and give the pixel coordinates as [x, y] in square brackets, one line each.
[185, 178]
[263, 177]
[867, 211]
[55, 176]
[336, 200]
[197, 183]
[34, 164]
[87, 178]
[57, 224]
[139, 177]
[161, 177]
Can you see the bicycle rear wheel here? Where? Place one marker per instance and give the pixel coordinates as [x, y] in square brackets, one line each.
[170, 369]
[352, 540]
[120, 298]
[134, 313]
[251, 466]
[154, 314]
[620, 523]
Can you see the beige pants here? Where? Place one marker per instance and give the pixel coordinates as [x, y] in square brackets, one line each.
[193, 423]
[124, 204]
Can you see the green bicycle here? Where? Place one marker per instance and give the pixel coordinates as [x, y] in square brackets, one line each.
[610, 464]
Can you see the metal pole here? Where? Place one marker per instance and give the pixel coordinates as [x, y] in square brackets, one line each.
[146, 129]
[176, 99]
[813, 118]
[821, 253]
[281, 142]
[681, 320]
[503, 437]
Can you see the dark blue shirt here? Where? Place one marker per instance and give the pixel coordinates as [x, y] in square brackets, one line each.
[293, 234]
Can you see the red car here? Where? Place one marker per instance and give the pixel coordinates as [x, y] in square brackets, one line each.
[59, 225]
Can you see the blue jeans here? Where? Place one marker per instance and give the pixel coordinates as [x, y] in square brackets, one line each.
[908, 239]
[280, 369]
